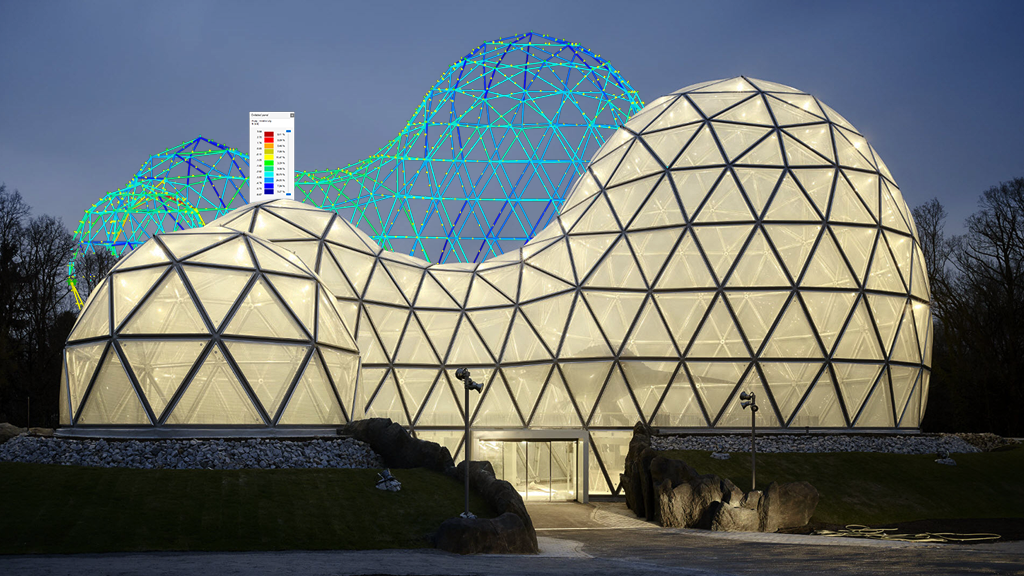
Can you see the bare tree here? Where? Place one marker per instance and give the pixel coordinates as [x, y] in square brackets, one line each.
[981, 358]
[13, 212]
[91, 268]
[930, 219]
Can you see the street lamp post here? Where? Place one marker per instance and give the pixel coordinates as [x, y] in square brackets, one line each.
[463, 374]
[749, 399]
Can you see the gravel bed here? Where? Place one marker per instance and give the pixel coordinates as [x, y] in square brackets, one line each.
[816, 443]
[192, 454]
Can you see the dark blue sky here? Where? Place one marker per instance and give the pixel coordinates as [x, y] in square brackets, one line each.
[88, 90]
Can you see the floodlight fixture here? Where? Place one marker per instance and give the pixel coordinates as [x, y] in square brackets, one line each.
[750, 399]
[463, 374]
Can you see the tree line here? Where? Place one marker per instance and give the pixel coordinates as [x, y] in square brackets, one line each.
[37, 311]
[37, 308]
[977, 286]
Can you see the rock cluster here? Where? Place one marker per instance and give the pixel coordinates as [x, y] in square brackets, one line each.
[8, 431]
[512, 532]
[188, 454]
[397, 448]
[672, 493]
[894, 444]
[985, 442]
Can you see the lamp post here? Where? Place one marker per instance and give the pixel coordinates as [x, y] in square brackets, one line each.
[463, 374]
[749, 399]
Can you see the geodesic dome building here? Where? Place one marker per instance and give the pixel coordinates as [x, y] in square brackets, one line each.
[209, 327]
[737, 235]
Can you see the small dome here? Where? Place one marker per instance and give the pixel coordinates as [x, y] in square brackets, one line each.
[209, 327]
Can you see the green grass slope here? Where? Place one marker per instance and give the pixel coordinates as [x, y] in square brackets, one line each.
[871, 488]
[65, 509]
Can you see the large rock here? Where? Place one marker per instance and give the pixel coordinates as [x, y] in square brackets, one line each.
[725, 518]
[397, 447]
[687, 505]
[8, 431]
[674, 494]
[500, 495]
[632, 484]
[670, 469]
[649, 498]
[683, 497]
[786, 506]
[505, 534]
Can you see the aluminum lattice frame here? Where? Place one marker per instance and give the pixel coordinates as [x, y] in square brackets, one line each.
[209, 328]
[734, 235]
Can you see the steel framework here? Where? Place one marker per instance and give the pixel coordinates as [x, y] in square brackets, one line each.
[483, 164]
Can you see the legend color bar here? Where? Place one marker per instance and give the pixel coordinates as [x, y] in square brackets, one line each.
[271, 142]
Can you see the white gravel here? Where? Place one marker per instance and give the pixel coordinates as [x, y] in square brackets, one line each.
[896, 444]
[191, 454]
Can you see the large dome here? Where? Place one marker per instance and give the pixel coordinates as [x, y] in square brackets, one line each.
[209, 327]
[737, 235]
[778, 249]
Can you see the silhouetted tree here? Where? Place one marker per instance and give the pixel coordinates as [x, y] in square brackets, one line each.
[13, 212]
[90, 269]
[930, 219]
[978, 376]
[36, 310]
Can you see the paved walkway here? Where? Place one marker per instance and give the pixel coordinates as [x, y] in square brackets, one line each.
[603, 538]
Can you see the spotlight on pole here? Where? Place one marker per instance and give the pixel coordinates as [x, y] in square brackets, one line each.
[463, 374]
[749, 399]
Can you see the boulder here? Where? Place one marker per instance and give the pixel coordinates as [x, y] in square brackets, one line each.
[687, 505]
[750, 500]
[672, 493]
[8, 431]
[788, 505]
[505, 534]
[626, 484]
[643, 467]
[499, 494]
[397, 447]
[731, 494]
[669, 469]
[725, 518]
[633, 487]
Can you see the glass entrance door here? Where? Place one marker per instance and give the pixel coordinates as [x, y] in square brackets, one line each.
[540, 470]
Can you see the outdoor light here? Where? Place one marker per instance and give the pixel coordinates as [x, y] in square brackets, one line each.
[463, 374]
[748, 399]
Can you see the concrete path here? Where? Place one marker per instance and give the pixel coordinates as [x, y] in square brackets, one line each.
[603, 538]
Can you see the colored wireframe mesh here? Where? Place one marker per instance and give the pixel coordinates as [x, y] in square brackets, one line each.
[735, 236]
[183, 187]
[488, 157]
[483, 164]
[209, 327]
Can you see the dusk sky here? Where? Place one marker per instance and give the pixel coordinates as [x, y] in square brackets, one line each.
[88, 90]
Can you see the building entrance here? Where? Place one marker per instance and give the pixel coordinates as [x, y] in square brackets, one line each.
[540, 470]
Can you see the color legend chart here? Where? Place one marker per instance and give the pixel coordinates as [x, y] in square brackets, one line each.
[271, 155]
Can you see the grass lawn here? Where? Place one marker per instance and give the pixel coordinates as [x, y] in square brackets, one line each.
[863, 488]
[64, 509]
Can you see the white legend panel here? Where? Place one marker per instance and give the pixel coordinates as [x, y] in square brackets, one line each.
[271, 155]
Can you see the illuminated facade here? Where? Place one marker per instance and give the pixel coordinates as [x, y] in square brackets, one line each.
[737, 235]
[209, 327]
